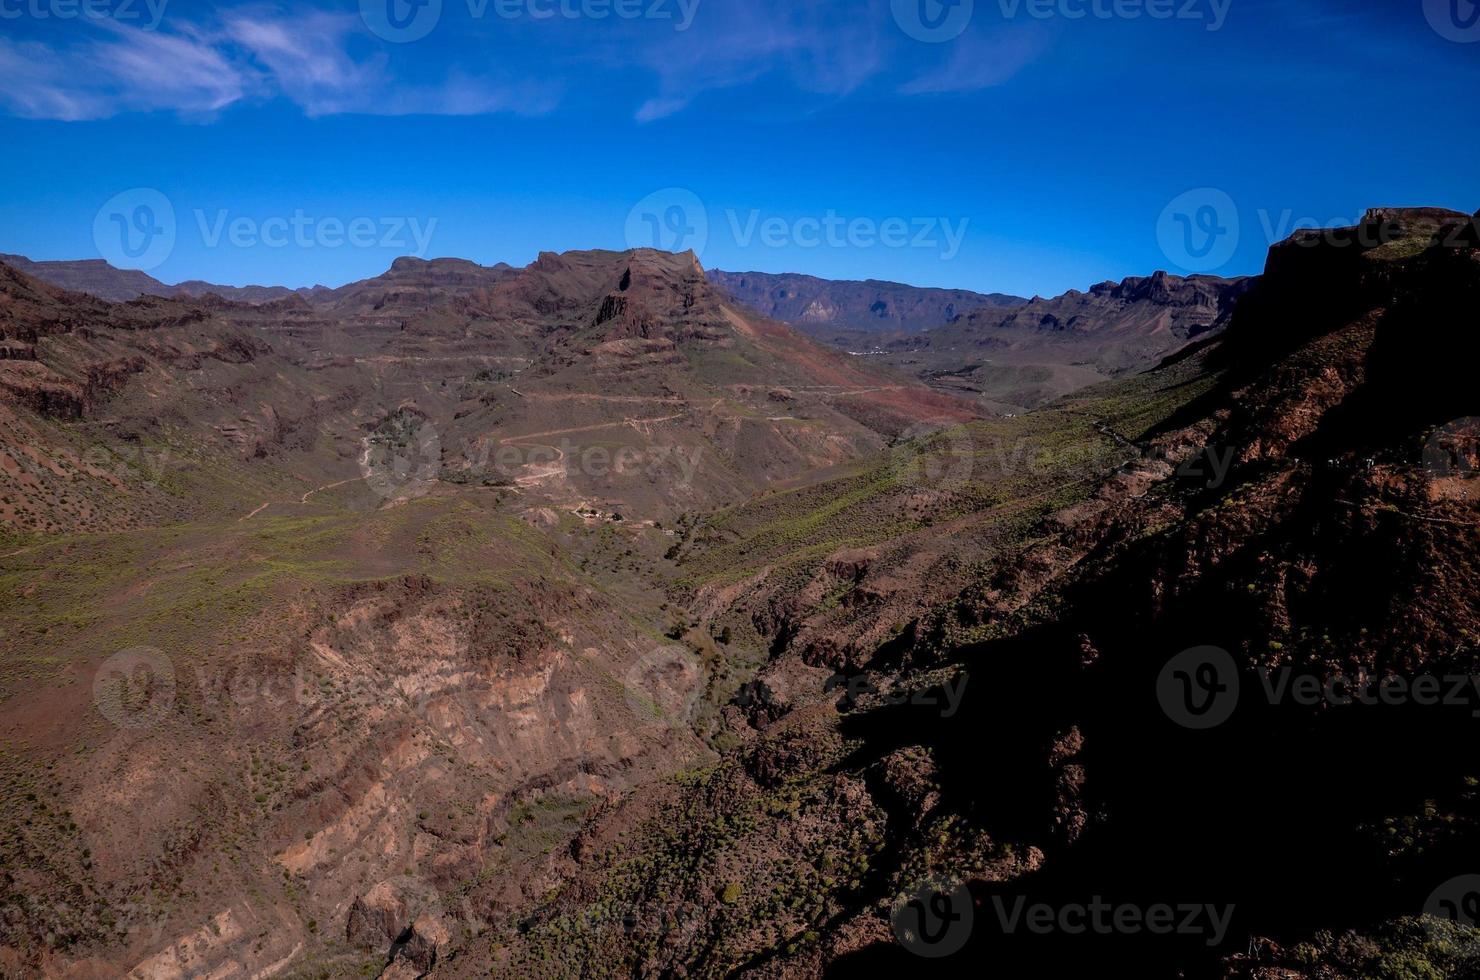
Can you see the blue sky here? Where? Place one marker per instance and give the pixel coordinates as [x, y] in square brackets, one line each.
[1025, 146]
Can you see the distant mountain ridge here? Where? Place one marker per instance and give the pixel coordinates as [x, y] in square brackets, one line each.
[1172, 307]
[419, 282]
[822, 307]
[96, 277]
[1010, 352]
[1019, 357]
[623, 348]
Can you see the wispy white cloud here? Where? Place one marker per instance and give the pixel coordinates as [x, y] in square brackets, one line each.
[32, 85]
[306, 58]
[824, 48]
[122, 69]
[325, 62]
[978, 62]
[250, 53]
[467, 95]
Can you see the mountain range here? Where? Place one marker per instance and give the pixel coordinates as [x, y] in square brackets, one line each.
[1025, 356]
[97, 278]
[581, 619]
[1010, 353]
[827, 309]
